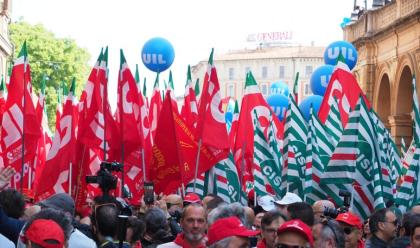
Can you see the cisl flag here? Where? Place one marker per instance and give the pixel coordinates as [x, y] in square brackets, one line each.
[211, 126]
[344, 87]
[55, 175]
[20, 121]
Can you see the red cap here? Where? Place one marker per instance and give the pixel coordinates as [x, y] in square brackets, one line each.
[42, 230]
[192, 198]
[350, 219]
[299, 227]
[228, 227]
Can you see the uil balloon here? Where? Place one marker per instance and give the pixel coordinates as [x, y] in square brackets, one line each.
[278, 104]
[305, 105]
[320, 78]
[279, 88]
[347, 49]
[157, 54]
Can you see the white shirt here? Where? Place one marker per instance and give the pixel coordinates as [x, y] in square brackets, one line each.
[6, 243]
[169, 245]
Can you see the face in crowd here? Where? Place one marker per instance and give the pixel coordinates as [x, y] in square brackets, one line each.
[194, 222]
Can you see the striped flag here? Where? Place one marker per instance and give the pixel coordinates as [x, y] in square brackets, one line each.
[202, 185]
[409, 191]
[235, 189]
[355, 163]
[319, 149]
[263, 157]
[294, 151]
[221, 186]
[333, 123]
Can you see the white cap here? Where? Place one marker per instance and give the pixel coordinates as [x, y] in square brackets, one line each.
[266, 202]
[289, 198]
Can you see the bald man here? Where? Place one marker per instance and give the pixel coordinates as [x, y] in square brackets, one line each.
[319, 207]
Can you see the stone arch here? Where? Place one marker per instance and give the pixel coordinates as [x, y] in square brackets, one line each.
[382, 102]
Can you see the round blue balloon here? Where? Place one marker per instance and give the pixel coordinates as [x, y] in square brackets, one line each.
[279, 88]
[347, 49]
[305, 105]
[320, 78]
[278, 104]
[157, 54]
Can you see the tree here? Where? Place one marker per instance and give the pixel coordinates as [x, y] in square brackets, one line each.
[60, 59]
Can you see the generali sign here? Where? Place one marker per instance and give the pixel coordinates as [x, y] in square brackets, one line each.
[270, 37]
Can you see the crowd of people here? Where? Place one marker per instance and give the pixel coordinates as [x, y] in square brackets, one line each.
[174, 221]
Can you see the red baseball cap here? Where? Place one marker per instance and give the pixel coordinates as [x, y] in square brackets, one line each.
[350, 219]
[299, 227]
[228, 227]
[192, 198]
[42, 230]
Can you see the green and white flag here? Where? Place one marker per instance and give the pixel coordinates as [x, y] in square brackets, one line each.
[355, 163]
[294, 151]
[409, 192]
[235, 190]
[267, 159]
[260, 156]
[333, 123]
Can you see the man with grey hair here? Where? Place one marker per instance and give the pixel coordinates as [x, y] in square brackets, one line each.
[332, 235]
[193, 223]
[229, 232]
[227, 210]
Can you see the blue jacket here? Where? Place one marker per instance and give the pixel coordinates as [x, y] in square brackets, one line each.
[10, 227]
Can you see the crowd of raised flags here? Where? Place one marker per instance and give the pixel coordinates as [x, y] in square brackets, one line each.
[344, 146]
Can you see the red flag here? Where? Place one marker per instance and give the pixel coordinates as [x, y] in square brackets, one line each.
[344, 87]
[155, 107]
[20, 119]
[244, 141]
[97, 131]
[211, 126]
[189, 111]
[45, 141]
[174, 152]
[133, 126]
[55, 176]
[234, 127]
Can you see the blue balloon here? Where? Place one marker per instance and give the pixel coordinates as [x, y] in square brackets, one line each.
[278, 104]
[305, 105]
[279, 88]
[347, 49]
[320, 78]
[157, 54]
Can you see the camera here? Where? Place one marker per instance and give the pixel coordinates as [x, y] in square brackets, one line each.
[332, 212]
[104, 176]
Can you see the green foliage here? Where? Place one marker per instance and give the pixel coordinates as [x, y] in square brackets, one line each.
[58, 58]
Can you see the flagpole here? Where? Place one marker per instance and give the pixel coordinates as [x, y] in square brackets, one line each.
[143, 161]
[241, 180]
[196, 164]
[23, 125]
[70, 176]
[121, 113]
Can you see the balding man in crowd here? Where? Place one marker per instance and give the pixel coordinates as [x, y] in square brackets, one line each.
[193, 223]
[319, 207]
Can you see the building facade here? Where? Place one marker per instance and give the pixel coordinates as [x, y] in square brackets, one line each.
[387, 39]
[268, 65]
[6, 47]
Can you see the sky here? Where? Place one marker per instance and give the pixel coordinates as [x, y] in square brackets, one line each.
[193, 27]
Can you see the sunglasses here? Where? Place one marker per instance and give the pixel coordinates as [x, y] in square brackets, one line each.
[348, 230]
[290, 246]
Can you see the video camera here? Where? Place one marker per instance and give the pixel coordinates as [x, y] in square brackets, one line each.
[104, 176]
[332, 212]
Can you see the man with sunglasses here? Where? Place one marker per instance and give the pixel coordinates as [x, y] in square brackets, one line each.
[383, 224]
[352, 227]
